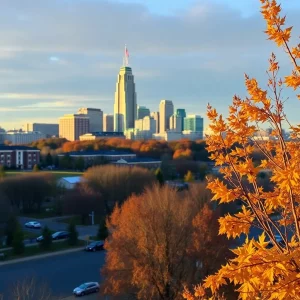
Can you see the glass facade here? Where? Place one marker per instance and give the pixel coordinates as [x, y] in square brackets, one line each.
[193, 123]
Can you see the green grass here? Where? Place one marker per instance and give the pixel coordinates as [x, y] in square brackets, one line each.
[57, 174]
[35, 250]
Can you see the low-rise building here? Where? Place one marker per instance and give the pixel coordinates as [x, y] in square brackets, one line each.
[168, 136]
[20, 157]
[69, 183]
[23, 137]
[145, 162]
[101, 135]
[105, 155]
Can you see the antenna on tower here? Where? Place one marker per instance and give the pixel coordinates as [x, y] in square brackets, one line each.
[126, 57]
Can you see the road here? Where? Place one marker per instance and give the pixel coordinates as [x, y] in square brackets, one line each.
[62, 273]
[56, 226]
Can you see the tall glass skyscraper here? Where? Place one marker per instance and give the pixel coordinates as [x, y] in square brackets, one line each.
[180, 112]
[193, 123]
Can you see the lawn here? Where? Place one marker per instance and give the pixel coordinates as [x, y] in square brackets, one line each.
[57, 174]
[35, 250]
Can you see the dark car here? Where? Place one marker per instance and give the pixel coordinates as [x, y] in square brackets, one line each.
[95, 246]
[86, 288]
[60, 235]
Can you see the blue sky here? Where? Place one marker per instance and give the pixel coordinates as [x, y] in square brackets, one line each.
[59, 55]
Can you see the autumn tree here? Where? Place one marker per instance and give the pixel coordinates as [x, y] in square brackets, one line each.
[114, 184]
[154, 246]
[159, 176]
[266, 266]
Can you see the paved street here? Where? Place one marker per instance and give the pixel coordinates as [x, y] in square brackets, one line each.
[62, 273]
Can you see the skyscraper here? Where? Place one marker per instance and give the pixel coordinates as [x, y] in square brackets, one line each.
[96, 118]
[72, 126]
[176, 123]
[125, 98]
[155, 116]
[181, 113]
[108, 123]
[193, 123]
[166, 110]
[142, 112]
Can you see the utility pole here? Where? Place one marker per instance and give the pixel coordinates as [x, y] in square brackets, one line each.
[92, 215]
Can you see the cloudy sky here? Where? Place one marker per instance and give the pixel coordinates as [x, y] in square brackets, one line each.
[59, 55]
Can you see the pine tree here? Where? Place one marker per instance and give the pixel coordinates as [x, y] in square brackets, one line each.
[11, 227]
[159, 176]
[46, 242]
[102, 230]
[73, 237]
[18, 240]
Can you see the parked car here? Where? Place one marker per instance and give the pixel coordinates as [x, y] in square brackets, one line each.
[33, 224]
[60, 235]
[86, 288]
[95, 246]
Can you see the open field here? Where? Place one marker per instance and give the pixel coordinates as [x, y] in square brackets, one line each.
[57, 174]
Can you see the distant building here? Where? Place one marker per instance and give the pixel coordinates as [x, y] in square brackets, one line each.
[144, 129]
[20, 157]
[168, 136]
[181, 113]
[155, 116]
[145, 162]
[142, 112]
[101, 135]
[69, 183]
[176, 123]
[138, 124]
[192, 135]
[109, 155]
[193, 123]
[72, 126]
[23, 137]
[166, 110]
[96, 118]
[48, 129]
[125, 99]
[108, 123]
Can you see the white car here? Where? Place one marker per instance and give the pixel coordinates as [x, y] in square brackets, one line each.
[33, 224]
[86, 288]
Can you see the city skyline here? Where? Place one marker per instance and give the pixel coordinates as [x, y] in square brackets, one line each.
[43, 78]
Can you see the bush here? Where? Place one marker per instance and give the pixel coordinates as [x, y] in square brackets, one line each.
[18, 240]
[159, 176]
[36, 168]
[102, 230]
[46, 242]
[73, 238]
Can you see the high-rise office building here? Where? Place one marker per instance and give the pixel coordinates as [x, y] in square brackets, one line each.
[47, 129]
[181, 113]
[73, 125]
[125, 98]
[142, 112]
[108, 123]
[166, 110]
[176, 123]
[96, 118]
[155, 116]
[193, 123]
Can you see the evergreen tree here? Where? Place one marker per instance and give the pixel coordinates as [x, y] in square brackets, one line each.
[46, 242]
[159, 176]
[11, 227]
[49, 160]
[102, 230]
[18, 240]
[189, 177]
[73, 238]
[36, 168]
[2, 171]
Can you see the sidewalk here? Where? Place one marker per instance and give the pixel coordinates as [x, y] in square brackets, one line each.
[18, 260]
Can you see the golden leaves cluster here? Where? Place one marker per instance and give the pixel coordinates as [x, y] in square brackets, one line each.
[267, 268]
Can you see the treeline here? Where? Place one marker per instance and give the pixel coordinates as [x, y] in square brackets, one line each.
[182, 149]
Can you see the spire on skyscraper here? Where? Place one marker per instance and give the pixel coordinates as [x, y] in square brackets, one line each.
[126, 57]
